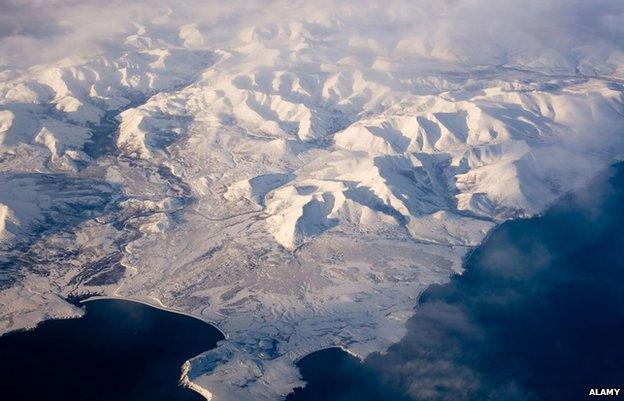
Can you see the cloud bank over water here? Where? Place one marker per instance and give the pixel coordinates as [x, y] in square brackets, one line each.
[537, 316]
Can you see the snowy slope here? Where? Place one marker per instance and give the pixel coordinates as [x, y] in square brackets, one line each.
[296, 174]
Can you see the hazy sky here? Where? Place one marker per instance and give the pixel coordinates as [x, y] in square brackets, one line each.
[557, 33]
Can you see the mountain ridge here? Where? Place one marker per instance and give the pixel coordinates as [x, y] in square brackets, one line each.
[299, 184]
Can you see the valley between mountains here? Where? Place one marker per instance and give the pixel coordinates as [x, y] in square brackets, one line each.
[297, 182]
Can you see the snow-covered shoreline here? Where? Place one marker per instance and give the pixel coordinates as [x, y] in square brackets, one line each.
[293, 174]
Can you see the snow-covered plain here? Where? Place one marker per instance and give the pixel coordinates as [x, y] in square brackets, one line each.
[296, 173]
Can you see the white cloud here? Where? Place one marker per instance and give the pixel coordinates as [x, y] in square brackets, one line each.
[557, 35]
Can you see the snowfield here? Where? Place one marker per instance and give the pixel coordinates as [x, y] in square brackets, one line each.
[296, 174]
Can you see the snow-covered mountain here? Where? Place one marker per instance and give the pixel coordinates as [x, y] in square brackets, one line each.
[296, 174]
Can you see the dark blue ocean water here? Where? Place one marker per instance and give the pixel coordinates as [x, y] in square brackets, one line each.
[120, 350]
[538, 315]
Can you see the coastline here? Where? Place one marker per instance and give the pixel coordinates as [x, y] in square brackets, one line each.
[187, 383]
[160, 306]
[185, 380]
